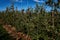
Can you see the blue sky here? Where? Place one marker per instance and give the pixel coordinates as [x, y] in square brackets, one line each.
[22, 4]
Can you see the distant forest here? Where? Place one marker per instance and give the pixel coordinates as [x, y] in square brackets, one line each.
[37, 23]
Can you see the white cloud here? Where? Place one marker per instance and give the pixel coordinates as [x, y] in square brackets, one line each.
[41, 1]
[36, 0]
[16, 0]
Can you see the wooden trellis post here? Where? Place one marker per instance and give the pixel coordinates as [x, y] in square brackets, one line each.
[52, 19]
